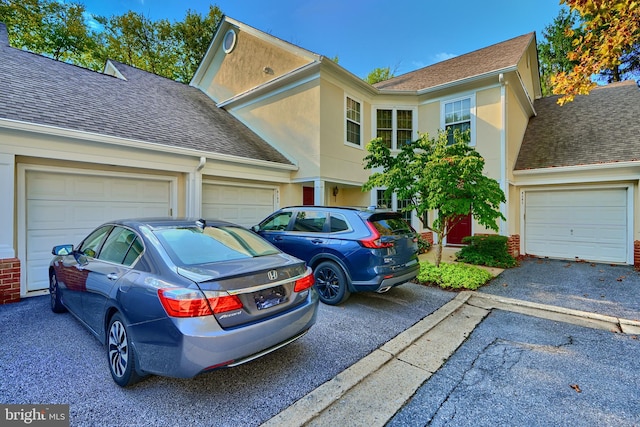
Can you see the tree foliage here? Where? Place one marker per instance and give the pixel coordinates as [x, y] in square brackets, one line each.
[609, 44]
[62, 31]
[48, 27]
[555, 47]
[435, 175]
[379, 75]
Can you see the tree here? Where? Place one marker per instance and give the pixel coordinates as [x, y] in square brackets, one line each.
[611, 34]
[47, 27]
[435, 175]
[379, 75]
[60, 30]
[554, 49]
[192, 37]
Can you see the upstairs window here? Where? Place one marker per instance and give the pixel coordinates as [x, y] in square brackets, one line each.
[353, 122]
[457, 116]
[395, 127]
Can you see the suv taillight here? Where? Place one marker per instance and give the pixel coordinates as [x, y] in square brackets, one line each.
[183, 302]
[374, 241]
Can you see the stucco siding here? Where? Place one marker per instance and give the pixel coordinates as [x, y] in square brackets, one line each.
[340, 161]
[251, 63]
[488, 130]
[289, 121]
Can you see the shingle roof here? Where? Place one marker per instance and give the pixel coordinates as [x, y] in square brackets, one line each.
[489, 59]
[602, 127]
[144, 107]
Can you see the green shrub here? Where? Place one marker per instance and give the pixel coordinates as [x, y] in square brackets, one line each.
[489, 250]
[453, 276]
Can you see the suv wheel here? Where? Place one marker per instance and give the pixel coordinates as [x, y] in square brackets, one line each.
[331, 283]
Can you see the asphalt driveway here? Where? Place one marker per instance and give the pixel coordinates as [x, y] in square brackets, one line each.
[607, 289]
[512, 369]
[516, 369]
[49, 358]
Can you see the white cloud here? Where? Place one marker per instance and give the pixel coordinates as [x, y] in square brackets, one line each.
[443, 56]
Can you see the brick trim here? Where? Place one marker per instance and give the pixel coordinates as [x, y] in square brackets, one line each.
[428, 235]
[9, 280]
[513, 245]
[636, 255]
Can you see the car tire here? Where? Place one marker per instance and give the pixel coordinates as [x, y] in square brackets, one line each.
[54, 293]
[331, 283]
[120, 353]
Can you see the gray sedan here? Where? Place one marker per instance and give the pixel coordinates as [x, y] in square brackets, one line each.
[180, 297]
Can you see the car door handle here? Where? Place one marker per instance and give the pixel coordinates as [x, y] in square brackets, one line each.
[112, 276]
[277, 238]
[317, 241]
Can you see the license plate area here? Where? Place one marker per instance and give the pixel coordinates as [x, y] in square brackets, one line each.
[271, 297]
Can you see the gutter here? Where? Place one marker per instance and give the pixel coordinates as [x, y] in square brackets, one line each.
[138, 144]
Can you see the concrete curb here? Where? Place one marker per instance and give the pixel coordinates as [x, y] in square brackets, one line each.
[403, 364]
[551, 312]
[314, 403]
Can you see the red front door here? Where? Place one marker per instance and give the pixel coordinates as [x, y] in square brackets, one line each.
[307, 196]
[460, 230]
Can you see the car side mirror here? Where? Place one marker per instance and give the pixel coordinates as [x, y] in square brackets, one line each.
[62, 250]
[255, 228]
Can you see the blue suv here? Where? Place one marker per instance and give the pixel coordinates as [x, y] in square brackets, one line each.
[349, 249]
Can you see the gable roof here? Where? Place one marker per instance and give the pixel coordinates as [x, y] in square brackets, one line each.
[602, 127]
[142, 106]
[492, 59]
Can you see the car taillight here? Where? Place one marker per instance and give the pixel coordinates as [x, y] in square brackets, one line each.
[374, 240]
[305, 283]
[182, 302]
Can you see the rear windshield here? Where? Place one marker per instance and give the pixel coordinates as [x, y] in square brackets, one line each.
[390, 224]
[193, 245]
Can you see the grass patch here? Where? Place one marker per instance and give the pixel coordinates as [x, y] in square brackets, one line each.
[453, 276]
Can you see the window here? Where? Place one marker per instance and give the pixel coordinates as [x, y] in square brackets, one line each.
[405, 214]
[382, 201]
[353, 122]
[117, 245]
[457, 116]
[338, 223]
[394, 126]
[385, 202]
[310, 221]
[92, 243]
[278, 222]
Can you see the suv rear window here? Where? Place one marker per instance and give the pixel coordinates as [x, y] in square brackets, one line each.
[388, 225]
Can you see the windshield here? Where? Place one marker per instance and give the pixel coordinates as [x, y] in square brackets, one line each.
[193, 245]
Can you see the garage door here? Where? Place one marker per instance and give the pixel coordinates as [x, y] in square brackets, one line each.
[65, 207]
[587, 224]
[242, 205]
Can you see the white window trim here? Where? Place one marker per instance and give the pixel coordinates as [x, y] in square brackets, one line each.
[415, 221]
[359, 101]
[394, 116]
[472, 111]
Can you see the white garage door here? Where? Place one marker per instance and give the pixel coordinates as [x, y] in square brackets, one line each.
[587, 224]
[64, 207]
[238, 204]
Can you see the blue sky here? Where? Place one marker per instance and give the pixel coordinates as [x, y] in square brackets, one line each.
[403, 34]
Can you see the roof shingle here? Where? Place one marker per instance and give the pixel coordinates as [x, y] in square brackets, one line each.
[602, 127]
[489, 59]
[144, 107]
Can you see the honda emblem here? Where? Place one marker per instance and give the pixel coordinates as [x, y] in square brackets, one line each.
[272, 275]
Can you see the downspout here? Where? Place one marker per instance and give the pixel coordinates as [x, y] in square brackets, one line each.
[503, 154]
[194, 190]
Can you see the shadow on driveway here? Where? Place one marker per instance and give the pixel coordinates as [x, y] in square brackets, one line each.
[607, 289]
